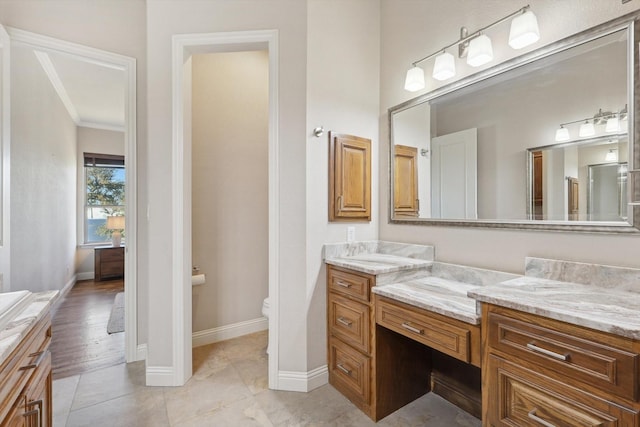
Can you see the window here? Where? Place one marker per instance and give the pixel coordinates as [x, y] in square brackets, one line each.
[104, 194]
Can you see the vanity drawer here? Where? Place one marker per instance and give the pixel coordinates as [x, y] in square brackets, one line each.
[524, 398]
[349, 371]
[349, 321]
[578, 356]
[424, 328]
[349, 283]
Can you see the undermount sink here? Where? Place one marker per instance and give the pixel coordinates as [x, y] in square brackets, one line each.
[11, 303]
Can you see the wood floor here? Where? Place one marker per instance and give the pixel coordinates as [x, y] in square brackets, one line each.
[80, 342]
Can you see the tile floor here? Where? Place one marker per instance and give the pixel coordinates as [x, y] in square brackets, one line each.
[228, 388]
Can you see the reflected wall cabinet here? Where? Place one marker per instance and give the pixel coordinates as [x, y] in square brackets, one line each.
[349, 178]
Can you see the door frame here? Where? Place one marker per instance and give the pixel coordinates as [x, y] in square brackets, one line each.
[126, 64]
[183, 47]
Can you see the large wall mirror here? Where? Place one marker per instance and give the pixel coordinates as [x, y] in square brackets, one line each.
[487, 150]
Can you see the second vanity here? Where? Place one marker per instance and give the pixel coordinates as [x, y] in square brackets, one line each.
[559, 346]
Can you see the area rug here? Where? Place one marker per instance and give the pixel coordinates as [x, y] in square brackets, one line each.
[116, 319]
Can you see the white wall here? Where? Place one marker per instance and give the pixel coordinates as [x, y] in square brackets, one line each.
[43, 179]
[342, 95]
[230, 186]
[410, 30]
[91, 141]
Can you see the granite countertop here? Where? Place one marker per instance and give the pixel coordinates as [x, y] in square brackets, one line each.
[609, 310]
[442, 296]
[377, 263]
[19, 326]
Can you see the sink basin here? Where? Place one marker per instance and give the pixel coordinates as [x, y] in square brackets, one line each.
[12, 303]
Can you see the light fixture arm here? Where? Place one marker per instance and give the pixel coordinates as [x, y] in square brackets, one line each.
[467, 38]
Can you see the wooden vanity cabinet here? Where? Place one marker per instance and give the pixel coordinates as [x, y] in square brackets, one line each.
[26, 380]
[376, 369]
[542, 372]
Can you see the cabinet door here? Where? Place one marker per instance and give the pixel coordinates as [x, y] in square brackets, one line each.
[349, 178]
[405, 191]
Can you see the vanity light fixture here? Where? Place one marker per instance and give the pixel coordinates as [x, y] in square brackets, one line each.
[476, 47]
[613, 124]
[611, 156]
[586, 129]
[562, 134]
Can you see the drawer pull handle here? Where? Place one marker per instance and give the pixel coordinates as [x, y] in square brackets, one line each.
[37, 412]
[343, 369]
[343, 284]
[345, 322]
[534, 417]
[563, 357]
[412, 329]
[41, 355]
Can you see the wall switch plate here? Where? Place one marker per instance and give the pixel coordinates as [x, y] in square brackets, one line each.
[351, 234]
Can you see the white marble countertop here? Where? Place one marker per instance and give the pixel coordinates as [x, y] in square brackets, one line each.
[20, 325]
[604, 309]
[442, 296]
[377, 263]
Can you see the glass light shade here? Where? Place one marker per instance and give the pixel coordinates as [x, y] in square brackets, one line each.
[524, 30]
[562, 134]
[586, 129]
[480, 51]
[415, 79]
[611, 156]
[613, 125]
[444, 67]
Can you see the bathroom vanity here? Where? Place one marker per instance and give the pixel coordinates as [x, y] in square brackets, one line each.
[25, 359]
[555, 347]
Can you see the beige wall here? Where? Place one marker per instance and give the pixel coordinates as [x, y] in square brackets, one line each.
[412, 29]
[43, 179]
[91, 141]
[229, 186]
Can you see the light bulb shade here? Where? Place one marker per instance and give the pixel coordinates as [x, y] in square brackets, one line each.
[613, 125]
[562, 134]
[524, 30]
[611, 156]
[586, 129]
[415, 79]
[115, 223]
[444, 67]
[480, 51]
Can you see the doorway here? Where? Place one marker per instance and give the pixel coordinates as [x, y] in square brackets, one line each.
[184, 47]
[46, 47]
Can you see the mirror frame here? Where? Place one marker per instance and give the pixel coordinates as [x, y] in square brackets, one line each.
[631, 24]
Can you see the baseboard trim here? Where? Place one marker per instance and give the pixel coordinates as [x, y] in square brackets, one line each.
[303, 381]
[87, 275]
[141, 352]
[235, 330]
[160, 376]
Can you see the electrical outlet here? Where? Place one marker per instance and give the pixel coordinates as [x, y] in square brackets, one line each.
[351, 234]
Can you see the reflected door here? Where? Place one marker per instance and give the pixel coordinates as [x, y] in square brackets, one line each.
[607, 192]
[405, 192]
[454, 175]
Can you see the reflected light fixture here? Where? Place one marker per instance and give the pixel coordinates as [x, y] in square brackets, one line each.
[476, 47]
[415, 79]
[613, 124]
[480, 51]
[611, 156]
[586, 129]
[524, 30]
[445, 66]
[562, 134]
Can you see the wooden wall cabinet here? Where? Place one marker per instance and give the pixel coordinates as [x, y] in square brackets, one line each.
[108, 262]
[26, 380]
[349, 178]
[541, 372]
